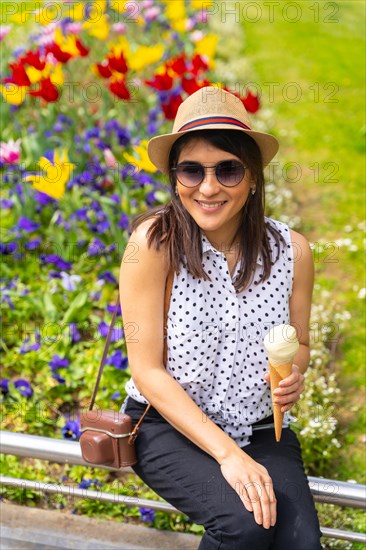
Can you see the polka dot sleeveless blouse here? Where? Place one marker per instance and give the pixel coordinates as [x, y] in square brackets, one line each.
[215, 337]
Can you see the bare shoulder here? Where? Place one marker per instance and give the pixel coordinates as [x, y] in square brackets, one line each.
[303, 258]
[142, 262]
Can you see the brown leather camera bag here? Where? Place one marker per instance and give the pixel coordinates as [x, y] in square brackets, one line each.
[108, 437]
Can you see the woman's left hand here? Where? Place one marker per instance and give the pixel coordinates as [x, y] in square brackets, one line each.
[289, 389]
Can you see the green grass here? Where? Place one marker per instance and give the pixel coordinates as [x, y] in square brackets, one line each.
[321, 63]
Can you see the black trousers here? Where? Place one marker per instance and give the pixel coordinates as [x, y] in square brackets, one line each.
[191, 480]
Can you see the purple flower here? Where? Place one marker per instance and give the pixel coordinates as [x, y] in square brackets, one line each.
[87, 148]
[33, 243]
[150, 198]
[147, 515]
[117, 360]
[123, 136]
[123, 221]
[8, 248]
[24, 387]
[80, 214]
[64, 119]
[95, 248]
[6, 203]
[25, 224]
[102, 226]
[58, 362]
[71, 430]
[43, 199]
[58, 127]
[86, 483]
[111, 308]
[4, 386]
[5, 299]
[56, 376]
[115, 395]
[57, 261]
[53, 274]
[115, 197]
[74, 333]
[117, 333]
[108, 277]
[92, 133]
[27, 347]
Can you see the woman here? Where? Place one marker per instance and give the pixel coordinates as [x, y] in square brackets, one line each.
[207, 445]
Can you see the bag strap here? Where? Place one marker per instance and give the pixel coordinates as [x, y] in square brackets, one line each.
[168, 293]
[167, 296]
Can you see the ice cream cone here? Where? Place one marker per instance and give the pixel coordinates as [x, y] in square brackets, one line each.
[278, 373]
[281, 344]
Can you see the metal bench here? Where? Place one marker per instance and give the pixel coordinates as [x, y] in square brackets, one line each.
[326, 491]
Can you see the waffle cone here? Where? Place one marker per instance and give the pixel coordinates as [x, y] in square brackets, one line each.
[278, 373]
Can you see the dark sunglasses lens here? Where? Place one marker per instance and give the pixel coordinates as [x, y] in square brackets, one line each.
[190, 174]
[230, 172]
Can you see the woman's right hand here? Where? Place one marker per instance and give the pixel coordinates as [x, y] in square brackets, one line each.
[253, 484]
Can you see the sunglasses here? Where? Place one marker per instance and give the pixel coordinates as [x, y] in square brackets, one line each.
[228, 172]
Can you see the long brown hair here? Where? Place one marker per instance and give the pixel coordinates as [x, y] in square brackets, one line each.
[175, 229]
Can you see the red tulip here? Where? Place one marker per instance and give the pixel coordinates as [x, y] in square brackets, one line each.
[19, 76]
[119, 89]
[118, 63]
[190, 85]
[61, 56]
[82, 49]
[178, 64]
[47, 91]
[161, 82]
[198, 64]
[170, 109]
[103, 69]
[33, 59]
[251, 102]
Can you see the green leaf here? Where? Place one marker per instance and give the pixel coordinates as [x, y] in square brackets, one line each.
[74, 307]
[49, 308]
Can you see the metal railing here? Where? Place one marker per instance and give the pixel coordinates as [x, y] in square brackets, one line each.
[326, 491]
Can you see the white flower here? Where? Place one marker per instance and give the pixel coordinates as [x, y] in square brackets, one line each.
[362, 294]
[69, 282]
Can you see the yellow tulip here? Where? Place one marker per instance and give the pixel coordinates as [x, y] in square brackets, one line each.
[122, 46]
[119, 5]
[34, 74]
[76, 11]
[201, 4]
[99, 28]
[143, 56]
[67, 43]
[46, 15]
[142, 163]
[97, 9]
[55, 175]
[207, 46]
[175, 10]
[13, 94]
[57, 76]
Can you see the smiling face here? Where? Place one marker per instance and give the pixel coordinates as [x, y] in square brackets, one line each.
[215, 208]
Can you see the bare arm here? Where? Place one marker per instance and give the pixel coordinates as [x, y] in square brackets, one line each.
[300, 305]
[142, 285]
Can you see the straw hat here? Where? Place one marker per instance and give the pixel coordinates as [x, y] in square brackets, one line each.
[209, 108]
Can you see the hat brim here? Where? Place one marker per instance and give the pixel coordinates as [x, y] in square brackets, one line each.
[159, 147]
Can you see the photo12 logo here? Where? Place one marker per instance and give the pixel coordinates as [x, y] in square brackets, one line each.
[290, 12]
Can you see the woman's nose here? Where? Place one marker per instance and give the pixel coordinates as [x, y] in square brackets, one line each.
[210, 185]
